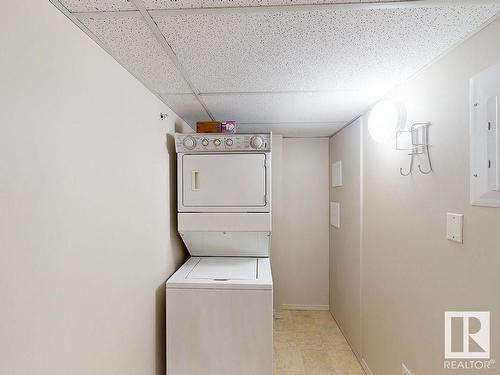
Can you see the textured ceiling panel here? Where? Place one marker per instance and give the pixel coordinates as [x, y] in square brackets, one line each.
[187, 107]
[178, 4]
[300, 71]
[293, 130]
[280, 108]
[97, 5]
[324, 49]
[132, 43]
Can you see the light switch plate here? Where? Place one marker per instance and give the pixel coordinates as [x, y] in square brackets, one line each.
[455, 227]
[337, 174]
[335, 214]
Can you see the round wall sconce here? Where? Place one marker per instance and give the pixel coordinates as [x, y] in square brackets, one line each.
[384, 120]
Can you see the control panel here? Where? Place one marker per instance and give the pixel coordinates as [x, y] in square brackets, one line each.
[222, 142]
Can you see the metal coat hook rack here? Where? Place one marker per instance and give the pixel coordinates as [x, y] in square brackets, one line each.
[419, 145]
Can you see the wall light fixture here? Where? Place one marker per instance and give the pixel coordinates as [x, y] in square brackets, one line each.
[385, 119]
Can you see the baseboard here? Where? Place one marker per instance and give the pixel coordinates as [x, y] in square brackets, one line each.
[365, 367]
[306, 307]
[361, 360]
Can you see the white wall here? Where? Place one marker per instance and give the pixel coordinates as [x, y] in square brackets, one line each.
[87, 195]
[411, 274]
[345, 246]
[300, 256]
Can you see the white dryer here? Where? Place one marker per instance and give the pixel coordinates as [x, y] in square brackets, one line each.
[220, 302]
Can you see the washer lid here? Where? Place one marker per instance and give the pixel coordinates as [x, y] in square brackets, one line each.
[222, 273]
[224, 269]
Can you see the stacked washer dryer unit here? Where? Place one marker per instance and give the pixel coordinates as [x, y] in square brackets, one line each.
[220, 302]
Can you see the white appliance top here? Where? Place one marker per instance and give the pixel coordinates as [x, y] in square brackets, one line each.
[223, 273]
[225, 269]
[222, 142]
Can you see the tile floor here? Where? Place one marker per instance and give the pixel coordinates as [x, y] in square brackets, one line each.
[310, 343]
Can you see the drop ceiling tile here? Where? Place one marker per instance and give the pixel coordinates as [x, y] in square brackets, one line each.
[186, 107]
[97, 5]
[131, 42]
[179, 4]
[324, 49]
[288, 107]
[294, 130]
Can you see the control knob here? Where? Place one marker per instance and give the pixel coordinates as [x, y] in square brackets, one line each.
[217, 142]
[204, 142]
[256, 141]
[229, 142]
[189, 142]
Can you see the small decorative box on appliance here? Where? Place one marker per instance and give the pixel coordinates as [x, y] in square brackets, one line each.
[208, 127]
[228, 127]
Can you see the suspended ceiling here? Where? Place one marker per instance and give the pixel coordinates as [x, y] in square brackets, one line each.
[297, 67]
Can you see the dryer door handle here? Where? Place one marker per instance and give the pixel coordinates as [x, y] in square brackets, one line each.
[195, 180]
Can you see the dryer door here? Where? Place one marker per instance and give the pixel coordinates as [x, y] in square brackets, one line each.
[224, 180]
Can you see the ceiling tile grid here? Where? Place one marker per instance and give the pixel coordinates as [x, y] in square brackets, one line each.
[316, 67]
[329, 49]
[186, 4]
[132, 43]
[294, 129]
[97, 5]
[121, 5]
[288, 107]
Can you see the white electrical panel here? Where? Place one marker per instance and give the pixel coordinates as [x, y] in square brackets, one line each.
[493, 144]
[337, 174]
[485, 138]
[455, 227]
